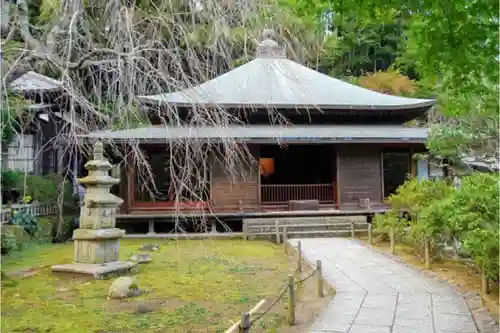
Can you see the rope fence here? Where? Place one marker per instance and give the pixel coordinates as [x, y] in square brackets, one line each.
[248, 319]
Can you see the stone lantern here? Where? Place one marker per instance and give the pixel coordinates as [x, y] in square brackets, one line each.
[96, 242]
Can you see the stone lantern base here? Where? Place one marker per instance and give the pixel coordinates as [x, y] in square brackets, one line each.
[97, 271]
[96, 253]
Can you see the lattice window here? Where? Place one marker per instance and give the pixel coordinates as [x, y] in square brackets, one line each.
[21, 153]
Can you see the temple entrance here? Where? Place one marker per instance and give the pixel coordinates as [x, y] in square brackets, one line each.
[297, 172]
[170, 178]
[396, 163]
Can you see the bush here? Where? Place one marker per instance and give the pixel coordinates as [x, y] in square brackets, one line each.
[415, 197]
[9, 242]
[439, 213]
[27, 221]
[14, 237]
[42, 189]
[471, 215]
[48, 228]
[44, 232]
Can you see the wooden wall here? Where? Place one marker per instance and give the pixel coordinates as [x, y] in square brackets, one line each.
[227, 193]
[359, 173]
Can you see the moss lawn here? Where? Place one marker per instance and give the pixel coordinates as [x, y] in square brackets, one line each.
[191, 286]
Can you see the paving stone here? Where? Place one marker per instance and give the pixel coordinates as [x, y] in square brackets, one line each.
[454, 323]
[375, 300]
[405, 329]
[408, 311]
[369, 329]
[375, 316]
[414, 322]
[458, 308]
[420, 299]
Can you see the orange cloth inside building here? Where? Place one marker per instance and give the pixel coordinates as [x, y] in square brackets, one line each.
[266, 166]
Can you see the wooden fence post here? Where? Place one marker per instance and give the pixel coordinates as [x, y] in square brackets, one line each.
[484, 281]
[291, 300]
[299, 257]
[427, 253]
[319, 278]
[393, 240]
[370, 241]
[245, 230]
[352, 230]
[245, 323]
[285, 238]
[10, 212]
[277, 225]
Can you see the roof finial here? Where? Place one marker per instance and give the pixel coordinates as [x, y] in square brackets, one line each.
[269, 48]
[268, 34]
[98, 151]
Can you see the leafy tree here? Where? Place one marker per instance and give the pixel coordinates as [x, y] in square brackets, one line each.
[454, 49]
[351, 47]
[389, 82]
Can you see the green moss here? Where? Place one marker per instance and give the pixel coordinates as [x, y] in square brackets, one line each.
[195, 286]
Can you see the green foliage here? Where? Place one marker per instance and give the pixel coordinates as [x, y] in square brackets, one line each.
[27, 221]
[440, 214]
[453, 46]
[11, 113]
[471, 215]
[16, 237]
[392, 220]
[415, 197]
[42, 189]
[8, 242]
[10, 179]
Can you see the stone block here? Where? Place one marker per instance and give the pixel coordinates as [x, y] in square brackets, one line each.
[97, 271]
[96, 252]
[98, 234]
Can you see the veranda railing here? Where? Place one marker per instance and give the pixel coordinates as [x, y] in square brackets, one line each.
[280, 194]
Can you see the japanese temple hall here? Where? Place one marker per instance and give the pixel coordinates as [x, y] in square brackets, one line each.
[337, 145]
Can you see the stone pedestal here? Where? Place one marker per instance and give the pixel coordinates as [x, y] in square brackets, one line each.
[96, 243]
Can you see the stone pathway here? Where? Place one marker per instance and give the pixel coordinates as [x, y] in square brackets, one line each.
[376, 294]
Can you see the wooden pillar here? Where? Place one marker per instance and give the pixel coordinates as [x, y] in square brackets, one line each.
[151, 227]
[130, 186]
[413, 165]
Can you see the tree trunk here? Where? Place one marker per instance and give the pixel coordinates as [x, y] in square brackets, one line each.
[59, 236]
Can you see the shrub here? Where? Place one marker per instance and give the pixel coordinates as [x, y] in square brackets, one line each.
[42, 189]
[392, 220]
[10, 179]
[14, 237]
[439, 213]
[416, 196]
[471, 215]
[9, 242]
[27, 221]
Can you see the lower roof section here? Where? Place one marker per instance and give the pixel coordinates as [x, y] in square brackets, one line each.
[270, 134]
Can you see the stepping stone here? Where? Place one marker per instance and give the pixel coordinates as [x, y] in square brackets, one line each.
[150, 247]
[142, 258]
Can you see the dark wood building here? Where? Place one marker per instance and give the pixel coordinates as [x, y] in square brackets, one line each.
[37, 147]
[340, 147]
